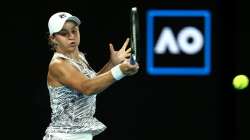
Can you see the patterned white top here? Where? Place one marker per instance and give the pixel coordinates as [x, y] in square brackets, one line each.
[73, 112]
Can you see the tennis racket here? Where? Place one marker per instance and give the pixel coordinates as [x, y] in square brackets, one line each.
[134, 26]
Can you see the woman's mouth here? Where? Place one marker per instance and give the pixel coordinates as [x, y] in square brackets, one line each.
[72, 44]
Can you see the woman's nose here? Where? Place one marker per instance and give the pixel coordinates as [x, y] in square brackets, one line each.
[71, 35]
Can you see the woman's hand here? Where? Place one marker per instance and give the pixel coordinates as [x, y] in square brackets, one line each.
[117, 57]
[129, 69]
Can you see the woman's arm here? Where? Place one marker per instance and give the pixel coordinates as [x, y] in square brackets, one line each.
[106, 67]
[66, 74]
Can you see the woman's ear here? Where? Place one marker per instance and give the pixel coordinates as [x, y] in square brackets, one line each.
[52, 40]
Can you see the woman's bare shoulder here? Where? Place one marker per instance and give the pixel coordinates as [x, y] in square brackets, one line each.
[57, 63]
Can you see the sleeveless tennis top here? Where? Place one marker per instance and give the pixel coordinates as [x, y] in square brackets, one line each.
[72, 111]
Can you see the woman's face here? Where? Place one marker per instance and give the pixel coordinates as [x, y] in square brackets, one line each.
[68, 39]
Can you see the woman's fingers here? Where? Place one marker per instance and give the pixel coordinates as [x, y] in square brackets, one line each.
[128, 50]
[124, 46]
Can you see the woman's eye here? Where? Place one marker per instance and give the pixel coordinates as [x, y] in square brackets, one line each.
[74, 31]
[63, 33]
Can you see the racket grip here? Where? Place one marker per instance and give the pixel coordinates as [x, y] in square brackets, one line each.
[132, 61]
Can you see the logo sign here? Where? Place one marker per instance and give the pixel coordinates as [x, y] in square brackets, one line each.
[178, 42]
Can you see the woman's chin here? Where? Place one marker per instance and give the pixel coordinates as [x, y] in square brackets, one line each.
[72, 45]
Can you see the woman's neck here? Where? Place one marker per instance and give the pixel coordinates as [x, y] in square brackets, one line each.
[73, 55]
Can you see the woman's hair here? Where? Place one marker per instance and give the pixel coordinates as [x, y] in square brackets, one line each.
[50, 42]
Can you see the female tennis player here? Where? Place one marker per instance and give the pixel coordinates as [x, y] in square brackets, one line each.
[73, 85]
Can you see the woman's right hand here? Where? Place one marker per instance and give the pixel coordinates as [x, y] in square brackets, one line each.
[129, 69]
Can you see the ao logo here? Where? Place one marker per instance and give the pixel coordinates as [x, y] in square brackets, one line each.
[178, 42]
[189, 40]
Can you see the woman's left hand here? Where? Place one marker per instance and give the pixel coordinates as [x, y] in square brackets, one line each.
[119, 56]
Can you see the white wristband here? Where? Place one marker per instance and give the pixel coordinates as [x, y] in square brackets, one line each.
[117, 73]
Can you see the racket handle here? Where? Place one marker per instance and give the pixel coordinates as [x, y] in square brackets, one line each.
[132, 60]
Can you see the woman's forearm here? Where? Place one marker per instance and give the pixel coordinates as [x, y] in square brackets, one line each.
[106, 67]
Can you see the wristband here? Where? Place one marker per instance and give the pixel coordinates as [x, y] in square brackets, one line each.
[117, 73]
